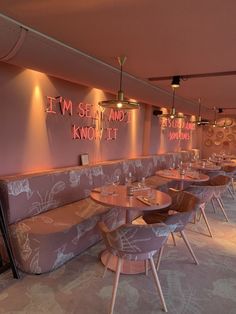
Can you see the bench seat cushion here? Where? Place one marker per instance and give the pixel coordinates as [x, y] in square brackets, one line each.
[46, 241]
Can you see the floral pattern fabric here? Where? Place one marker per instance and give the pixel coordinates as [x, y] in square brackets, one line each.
[51, 216]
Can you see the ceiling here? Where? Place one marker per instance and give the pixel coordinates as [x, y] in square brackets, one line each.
[159, 38]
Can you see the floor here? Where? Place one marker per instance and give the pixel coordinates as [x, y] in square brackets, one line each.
[78, 286]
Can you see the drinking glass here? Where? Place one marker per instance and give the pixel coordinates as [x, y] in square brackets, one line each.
[116, 182]
[151, 194]
[105, 190]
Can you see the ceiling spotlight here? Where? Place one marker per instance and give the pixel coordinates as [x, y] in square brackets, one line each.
[157, 112]
[175, 81]
[120, 102]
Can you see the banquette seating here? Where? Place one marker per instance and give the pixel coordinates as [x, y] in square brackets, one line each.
[51, 217]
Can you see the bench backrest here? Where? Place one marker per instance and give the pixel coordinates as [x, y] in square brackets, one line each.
[27, 195]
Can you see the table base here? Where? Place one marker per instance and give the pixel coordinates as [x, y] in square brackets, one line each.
[128, 267]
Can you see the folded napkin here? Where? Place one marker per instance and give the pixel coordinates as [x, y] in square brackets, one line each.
[96, 190]
[192, 176]
[146, 201]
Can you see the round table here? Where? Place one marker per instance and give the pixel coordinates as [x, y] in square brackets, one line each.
[140, 201]
[189, 176]
[120, 199]
[206, 167]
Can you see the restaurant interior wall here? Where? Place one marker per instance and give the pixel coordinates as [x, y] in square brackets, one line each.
[168, 139]
[219, 139]
[33, 140]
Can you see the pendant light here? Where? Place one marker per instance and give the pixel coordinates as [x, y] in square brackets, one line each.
[172, 115]
[214, 124]
[175, 81]
[173, 111]
[199, 120]
[120, 102]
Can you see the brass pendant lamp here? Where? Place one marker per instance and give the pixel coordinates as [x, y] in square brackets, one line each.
[120, 102]
[172, 115]
[199, 120]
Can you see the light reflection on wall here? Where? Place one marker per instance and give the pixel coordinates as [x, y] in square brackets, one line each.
[192, 133]
[162, 148]
[36, 142]
[96, 95]
[134, 133]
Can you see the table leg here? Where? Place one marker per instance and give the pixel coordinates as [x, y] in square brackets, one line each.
[181, 185]
[6, 239]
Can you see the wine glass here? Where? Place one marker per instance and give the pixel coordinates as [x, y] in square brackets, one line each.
[116, 182]
[172, 166]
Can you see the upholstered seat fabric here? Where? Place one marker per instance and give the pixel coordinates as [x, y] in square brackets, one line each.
[46, 241]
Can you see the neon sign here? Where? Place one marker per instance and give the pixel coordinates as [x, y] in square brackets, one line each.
[179, 129]
[94, 117]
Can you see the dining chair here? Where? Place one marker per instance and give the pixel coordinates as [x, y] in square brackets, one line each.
[204, 194]
[181, 211]
[230, 171]
[135, 242]
[220, 184]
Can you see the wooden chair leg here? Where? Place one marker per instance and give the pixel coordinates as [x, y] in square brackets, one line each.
[158, 285]
[213, 204]
[146, 267]
[173, 237]
[199, 217]
[230, 192]
[222, 208]
[159, 257]
[189, 247]
[233, 188]
[202, 209]
[118, 269]
[107, 263]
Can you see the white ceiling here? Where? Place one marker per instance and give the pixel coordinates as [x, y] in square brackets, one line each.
[159, 37]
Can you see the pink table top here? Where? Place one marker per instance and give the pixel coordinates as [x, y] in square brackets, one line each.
[120, 199]
[189, 176]
[206, 167]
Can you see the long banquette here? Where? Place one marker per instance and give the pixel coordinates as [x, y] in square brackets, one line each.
[51, 217]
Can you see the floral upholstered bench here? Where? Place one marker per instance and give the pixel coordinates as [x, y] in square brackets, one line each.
[51, 217]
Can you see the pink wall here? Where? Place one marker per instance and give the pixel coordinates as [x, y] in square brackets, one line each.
[161, 142]
[32, 139]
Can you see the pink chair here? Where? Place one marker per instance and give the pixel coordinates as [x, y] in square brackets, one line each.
[220, 184]
[181, 211]
[136, 242]
[205, 194]
[230, 171]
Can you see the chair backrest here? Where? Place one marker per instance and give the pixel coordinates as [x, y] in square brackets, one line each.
[219, 180]
[203, 192]
[183, 201]
[229, 170]
[132, 241]
[185, 204]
